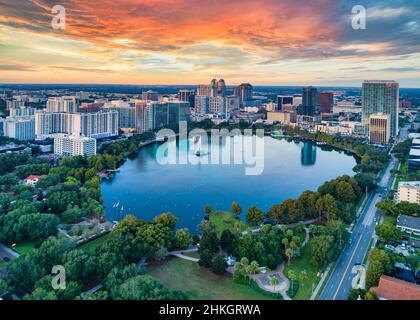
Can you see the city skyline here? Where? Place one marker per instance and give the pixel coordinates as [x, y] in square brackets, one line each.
[176, 42]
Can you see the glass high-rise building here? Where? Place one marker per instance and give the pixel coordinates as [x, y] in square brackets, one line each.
[381, 96]
[309, 101]
[244, 91]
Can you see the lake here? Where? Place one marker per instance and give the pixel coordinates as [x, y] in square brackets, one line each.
[146, 188]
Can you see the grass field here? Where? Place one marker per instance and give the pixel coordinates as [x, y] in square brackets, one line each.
[199, 283]
[299, 264]
[225, 220]
[24, 247]
[92, 245]
[389, 219]
[192, 254]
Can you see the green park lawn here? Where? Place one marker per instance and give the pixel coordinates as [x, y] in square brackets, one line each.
[194, 254]
[93, 244]
[388, 219]
[199, 283]
[24, 247]
[302, 263]
[226, 220]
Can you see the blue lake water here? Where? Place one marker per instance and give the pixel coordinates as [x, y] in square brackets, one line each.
[146, 188]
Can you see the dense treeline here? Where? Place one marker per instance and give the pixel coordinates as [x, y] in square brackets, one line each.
[67, 193]
[111, 263]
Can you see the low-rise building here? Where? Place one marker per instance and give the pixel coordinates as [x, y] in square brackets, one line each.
[284, 117]
[390, 288]
[408, 224]
[32, 180]
[409, 191]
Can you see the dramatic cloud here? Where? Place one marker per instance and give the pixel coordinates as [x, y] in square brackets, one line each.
[189, 41]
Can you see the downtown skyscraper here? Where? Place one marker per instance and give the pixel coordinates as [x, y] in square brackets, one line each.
[309, 101]
[381, 96]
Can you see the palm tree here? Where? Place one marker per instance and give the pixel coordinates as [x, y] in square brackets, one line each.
[285, 242]
[274, 282]
[303, 275]
[289, 254]
[255, 267]
[292, 276]
[244, 262]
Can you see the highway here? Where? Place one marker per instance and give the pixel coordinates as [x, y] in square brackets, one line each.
[340, 281]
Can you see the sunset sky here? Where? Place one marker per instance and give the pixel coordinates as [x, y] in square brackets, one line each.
[264, 42]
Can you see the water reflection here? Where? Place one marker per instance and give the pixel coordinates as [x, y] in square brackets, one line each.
[308, 154]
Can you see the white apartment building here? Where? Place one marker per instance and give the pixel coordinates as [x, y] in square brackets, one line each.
[96, 125]
[218, 105]
[74, 145]
[22, 111]
[126, 113]
[201, 104]
[14, 104]
[334, 128]
[20, 128]
[409, 191]
[66, 104]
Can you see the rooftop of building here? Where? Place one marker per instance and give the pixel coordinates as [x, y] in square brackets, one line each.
[395, 289]
[414, 152]
[409, 184]
[405, 221]
[379, 81]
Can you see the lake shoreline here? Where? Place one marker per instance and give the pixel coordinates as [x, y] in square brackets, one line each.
[218, 200]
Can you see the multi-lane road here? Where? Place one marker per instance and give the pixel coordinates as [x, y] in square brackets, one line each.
[340, 281]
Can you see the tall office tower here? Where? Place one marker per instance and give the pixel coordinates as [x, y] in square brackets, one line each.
[204, 90]
[73, 145]
[184, 95]
[150, 96]
[244, 92]
[22, 111]
[217, 105]
[379, 128]
[14, 104]
[62, 104]
[380, 96]
[96, 125]
[188, 96]
[309, 101]
[160, 115]
[213, 86]
[221, 88]
[232, 103]
[178, 111]
[202, 104]
[282, 100]
[326, 102]
[144, 116]
[126, 113]
[20, 128]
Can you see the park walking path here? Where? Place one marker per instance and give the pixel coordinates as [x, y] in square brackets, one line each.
[180, 254]
[282, 288]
